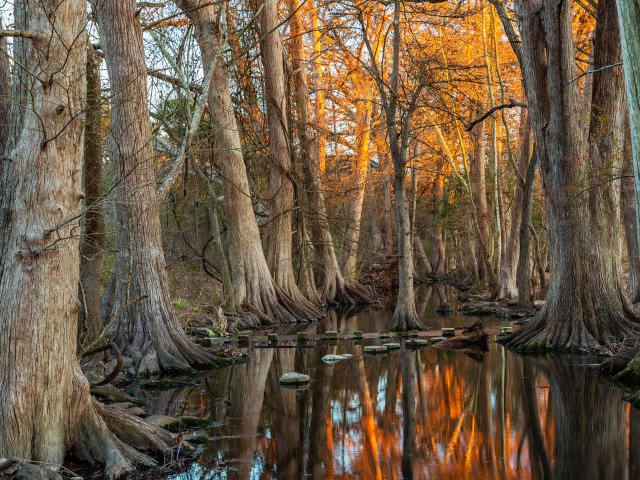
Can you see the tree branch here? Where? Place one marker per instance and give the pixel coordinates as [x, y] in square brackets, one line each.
[511, 104]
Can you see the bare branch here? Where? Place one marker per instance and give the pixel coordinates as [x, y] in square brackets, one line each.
[511, 104]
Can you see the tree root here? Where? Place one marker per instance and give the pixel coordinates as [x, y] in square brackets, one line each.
[340, 292]
[631, 374]
[115, 441]
[405, 321]
[568, 333]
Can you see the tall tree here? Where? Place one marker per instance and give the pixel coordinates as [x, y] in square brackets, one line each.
[46, 409]
[405, 316]
[278, 239]
[333, 288]
[586, 305]
[92, 242]
[137, 302]
[253, 284]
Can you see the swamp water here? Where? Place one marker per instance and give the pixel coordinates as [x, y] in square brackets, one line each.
[423, 413]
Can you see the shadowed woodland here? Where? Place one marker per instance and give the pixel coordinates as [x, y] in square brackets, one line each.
[176, 169]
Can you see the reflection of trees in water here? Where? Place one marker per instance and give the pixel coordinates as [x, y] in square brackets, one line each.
[420, 414]
[429, 298]
[589, 420]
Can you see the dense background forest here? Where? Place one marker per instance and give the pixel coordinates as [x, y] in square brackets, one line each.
[241, 164]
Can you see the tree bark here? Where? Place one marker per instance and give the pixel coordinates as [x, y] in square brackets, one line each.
[629, 219]
[506, 285]
[333, 289]
[479, 192]
[586, 305]
[278, 238]
[141, 319]
[629, 18]
[92, 241]
[364, 109]
[46, 409]
[253, 284]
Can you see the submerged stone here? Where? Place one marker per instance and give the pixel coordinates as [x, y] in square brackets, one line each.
[375, 349]
[331, 334]
[333, 358]
[506, 331]
[272, 338]
[357, 335]
[437, 339]
[384, 334]
[417, 343]
[294, 378]
[448, 332]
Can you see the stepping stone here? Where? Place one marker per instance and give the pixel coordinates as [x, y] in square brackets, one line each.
[504, 331]
[417, 343]
[384, 334]
[294, 378]
[375, 349]
[437, 339]
[346, 355]
[302, 337]
[272, 338]
[357, 335]
[243, 338]
[331, 359]
[331, 334]
[412, 333]
[392, 346]
[448, 332]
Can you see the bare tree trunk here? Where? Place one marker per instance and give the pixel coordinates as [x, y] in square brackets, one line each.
[523, 274]
[586, 305]
[306, 277]
[438, 255]
[46, 409]
[422, 265]
[364, 108]
[506, 285]
[332, 286]
[479, 191]
[278, 239]
[141, 319]
[629, 220]
[92, 241]
[629, 18]
[253, 284]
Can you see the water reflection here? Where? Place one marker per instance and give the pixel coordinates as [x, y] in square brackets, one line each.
[411, 414]
[437, 306]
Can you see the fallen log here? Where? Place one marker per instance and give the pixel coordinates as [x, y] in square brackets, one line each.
[473, 337]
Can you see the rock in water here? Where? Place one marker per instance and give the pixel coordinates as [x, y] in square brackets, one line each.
[375, 349]
[333, 358]
[294, 378]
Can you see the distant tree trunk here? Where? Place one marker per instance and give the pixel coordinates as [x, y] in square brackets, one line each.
[92, 241]
[523, 274]
[253, 284]
[46, 409]
[333, 289]
[318, 77]
[506, 285]
[306, 277]
[629, 220]
[142, 320]
[422, 265]
[364, 109]
[586, 305]
[438, 255]
[479, 191]
[278, 238]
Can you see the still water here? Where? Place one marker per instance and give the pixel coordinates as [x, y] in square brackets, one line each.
[409, 414]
